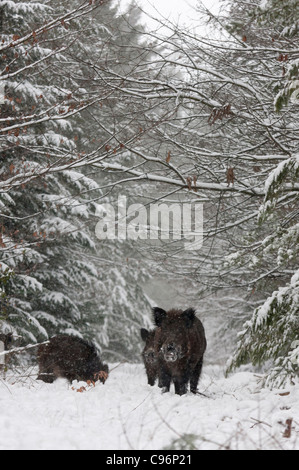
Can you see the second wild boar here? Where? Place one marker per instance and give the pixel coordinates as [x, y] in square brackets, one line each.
[149, 356]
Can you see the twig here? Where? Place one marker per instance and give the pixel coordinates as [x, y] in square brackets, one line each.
[25, 348]
[122, 362]
[259, 422]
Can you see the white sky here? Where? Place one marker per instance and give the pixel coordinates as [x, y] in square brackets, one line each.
[182, 11]
[176, 8]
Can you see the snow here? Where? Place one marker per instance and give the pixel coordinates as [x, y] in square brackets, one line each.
[279, 297]
[127, 414]
[24, 7]
[2, 360]
[291, 163]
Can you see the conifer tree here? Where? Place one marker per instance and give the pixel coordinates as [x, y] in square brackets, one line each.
[56, 276]
[271, 335]
[43, 220]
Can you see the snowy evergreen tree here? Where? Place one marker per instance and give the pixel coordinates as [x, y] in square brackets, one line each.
[44, 217]
[115, 40]
[282, 17]
[56, 276]
[271, 335]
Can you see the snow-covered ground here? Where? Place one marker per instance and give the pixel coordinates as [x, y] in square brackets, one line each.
[127, 414]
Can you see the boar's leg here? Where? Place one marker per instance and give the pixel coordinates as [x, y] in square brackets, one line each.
[151, 376]
[49, 373]
[181, 383]
[45, 364]
[151, 381]
[180, 387]
[195, 374]
[46, 375]
[164, 379]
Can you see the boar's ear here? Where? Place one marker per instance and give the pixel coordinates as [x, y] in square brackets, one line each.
[189, 316]
[159, 315]
[144, 334]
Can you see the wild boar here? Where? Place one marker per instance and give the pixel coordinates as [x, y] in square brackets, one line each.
[180, 344]
[148, 355]
[72, 358]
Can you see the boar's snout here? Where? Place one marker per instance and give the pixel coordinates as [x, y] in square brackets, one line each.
[171, 352]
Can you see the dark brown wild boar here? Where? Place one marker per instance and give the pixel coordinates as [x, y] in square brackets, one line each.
[72, 358]
[180, 344]
[148, 355]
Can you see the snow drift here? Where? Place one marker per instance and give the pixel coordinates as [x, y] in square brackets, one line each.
[127, 414]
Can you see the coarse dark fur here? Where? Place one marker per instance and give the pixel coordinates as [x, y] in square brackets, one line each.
[148, 355]
[180, 344]
[72, 358]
